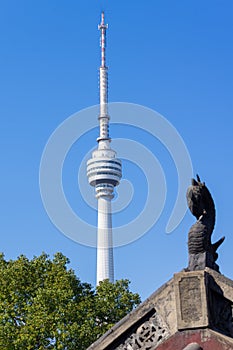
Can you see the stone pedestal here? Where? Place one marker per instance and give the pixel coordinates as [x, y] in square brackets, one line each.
[200, 261]
[204, 299]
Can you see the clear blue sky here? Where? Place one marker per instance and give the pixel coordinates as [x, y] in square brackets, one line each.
[174, 57]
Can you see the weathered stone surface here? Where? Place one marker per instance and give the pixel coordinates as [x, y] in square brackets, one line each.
[191, 303]
[224, 283]
[194, 306]
[155, 315]
[220, 306]
[148, 335]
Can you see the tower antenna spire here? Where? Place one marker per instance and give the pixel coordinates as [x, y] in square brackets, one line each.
[104, 172]
[103, 27]
[103, 76]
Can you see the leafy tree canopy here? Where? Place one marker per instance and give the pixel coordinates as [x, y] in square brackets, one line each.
[43, 305]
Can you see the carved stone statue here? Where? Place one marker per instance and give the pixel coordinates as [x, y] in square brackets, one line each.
[202, 253]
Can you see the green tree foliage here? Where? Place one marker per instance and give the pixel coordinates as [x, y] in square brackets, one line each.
[43, 305]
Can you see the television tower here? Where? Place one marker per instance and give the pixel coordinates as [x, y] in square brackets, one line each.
[104, 173]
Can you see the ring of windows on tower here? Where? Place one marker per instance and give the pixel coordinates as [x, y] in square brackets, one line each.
[104, 171]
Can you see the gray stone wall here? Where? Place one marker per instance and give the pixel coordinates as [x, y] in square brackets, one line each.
[191, 300]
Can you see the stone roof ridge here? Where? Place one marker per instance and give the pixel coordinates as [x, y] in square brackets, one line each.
[145, 310]
[192, 303]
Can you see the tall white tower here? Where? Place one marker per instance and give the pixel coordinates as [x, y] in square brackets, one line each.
[104, 173]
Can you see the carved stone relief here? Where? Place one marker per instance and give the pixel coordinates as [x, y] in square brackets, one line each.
[190, 291]
[191, 300]
[147, 335]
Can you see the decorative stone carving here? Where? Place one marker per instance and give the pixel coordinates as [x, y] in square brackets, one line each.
[196, 302]
[148, 335]
[202, 253]
[189, 289]
[191, 299]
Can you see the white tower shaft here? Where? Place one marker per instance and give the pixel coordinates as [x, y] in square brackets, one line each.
[105, 268]
[104, 172]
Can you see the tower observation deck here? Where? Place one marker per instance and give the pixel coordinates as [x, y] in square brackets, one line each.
[104, 173]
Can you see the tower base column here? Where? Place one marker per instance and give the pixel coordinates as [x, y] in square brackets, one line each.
[105, 268]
